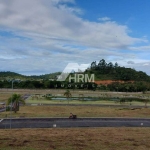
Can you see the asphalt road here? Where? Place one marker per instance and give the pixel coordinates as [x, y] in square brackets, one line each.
[2, 109]
[68, 123]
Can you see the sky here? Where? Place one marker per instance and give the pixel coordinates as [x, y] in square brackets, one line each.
[42, 36]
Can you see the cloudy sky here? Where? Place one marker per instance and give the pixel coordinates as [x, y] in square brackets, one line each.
[43, 36]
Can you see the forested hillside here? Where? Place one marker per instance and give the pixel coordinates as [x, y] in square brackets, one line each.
[131, 80]
[12, 75]
[8, 74]
[110, 71]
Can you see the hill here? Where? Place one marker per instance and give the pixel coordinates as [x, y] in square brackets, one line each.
[110, 71]
[12, 75]
[102, 71]
[108, 76]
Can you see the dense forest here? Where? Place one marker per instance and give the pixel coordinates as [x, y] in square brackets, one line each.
[134, 81]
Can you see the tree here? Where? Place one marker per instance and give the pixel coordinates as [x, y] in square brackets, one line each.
[68, 95]
[15, 99]
[93, 65]
[110, 67]
[102, 66]
[116, 65]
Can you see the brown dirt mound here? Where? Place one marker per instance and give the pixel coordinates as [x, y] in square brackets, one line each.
[106, 82]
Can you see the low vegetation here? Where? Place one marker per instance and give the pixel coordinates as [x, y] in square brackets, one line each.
[15, 100]
[76, 139]
[80, 111]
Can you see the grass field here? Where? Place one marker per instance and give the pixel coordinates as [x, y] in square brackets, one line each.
[76, 139]
[64, 111]
[80, 111]
[6, 93]
[4, 96]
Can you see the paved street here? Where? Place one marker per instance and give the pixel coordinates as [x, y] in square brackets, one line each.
[2, 109]
[67, 123]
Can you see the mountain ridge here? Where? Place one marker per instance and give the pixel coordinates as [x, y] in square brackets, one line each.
[101, 71]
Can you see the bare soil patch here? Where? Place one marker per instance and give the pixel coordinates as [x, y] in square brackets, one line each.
[76, 139]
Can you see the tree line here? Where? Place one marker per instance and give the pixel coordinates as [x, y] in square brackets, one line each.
[137, 86]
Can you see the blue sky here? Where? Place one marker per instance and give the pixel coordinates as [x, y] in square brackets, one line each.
[43, 36]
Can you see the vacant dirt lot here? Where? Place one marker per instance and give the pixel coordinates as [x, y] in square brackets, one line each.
[76, 139]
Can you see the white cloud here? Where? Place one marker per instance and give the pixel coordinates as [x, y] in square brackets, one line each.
[63, 1]
[56, 35]
[141, 48]
[146, 64]
[35, 16]
[145, 67]
[104, 19]
[130, 62]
